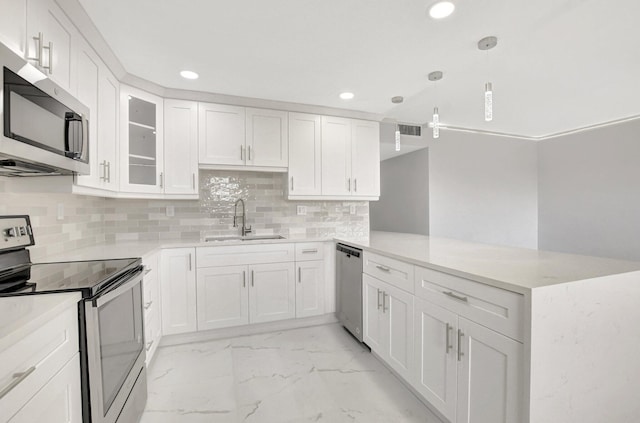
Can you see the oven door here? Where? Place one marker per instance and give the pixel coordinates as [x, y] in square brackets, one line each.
[115, 350]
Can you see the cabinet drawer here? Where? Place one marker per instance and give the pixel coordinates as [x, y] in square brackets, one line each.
[495, 308]
[244, 254]
[37, 357]
[306, 251]
[394, 272]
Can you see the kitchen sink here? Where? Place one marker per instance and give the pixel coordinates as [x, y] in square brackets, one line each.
[241, 238]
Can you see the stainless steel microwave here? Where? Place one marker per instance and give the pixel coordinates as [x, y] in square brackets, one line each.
[45, 130]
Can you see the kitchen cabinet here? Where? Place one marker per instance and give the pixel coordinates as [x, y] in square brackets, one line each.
[336, 156]
[238, 295]
[388, 324]
[232, 137]
[466, 371]
[141, 138]
[180, 147]
[178, 291]
[50, 41]
[13, 25]
[365, 158]
[108, 108]
[305, 171]
[310, 288]
[151, 305]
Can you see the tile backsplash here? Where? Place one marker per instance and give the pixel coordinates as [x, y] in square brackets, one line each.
[88, 220]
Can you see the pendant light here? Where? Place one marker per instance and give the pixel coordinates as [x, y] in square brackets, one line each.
[435, 123]
[487, 44]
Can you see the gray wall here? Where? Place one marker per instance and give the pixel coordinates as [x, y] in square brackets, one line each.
[483, 188]
[404, 195]
[589, 192]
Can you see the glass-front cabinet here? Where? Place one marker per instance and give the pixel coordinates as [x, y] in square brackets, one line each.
[142, 168]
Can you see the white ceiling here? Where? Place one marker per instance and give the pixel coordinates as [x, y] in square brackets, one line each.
[559, 64]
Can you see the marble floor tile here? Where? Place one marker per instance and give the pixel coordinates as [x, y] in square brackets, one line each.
[317, 374]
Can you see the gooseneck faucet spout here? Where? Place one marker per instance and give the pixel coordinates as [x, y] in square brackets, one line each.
[244, 230]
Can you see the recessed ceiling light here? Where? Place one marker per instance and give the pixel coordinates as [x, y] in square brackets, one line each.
[187, 74]
[442, 9]
[347, 96]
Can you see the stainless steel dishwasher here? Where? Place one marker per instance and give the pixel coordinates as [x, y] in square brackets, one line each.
[349, 281]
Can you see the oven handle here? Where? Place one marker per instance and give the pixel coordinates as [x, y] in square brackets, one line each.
[127, 283]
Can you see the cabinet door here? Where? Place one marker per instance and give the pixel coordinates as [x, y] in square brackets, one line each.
[108, 104]
[13, 25]
[56, 51]
[272, 293]
[223, 297]
[372, 316]
[142, 142]
[304, 154]
[489, 376]
[181, 147]
[87, 80]
[310, 288]
[435, 356]
[267, 138]
[365, 158]
[59, 400]
[336, 156]
[398, 311]
[178, 291]
[221, 135]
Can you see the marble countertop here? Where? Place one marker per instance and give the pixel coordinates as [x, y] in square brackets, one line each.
[128, 249]
[515, 269]
[23, 314]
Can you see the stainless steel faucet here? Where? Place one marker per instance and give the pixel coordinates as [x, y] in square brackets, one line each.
[244, 231]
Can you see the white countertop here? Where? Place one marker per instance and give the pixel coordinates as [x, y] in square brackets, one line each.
[129, 249]
[22, 314]
[515, 269]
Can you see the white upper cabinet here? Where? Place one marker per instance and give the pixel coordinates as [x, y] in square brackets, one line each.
[266, 138]
[108, 108]
[365, 158]
[221, 134]
[13, 25]
[304, 154]
[141, 138]
[50, 41]
[336, 156]
[181, 147]
[232, 137]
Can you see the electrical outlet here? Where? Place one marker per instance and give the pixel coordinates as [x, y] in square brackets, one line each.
[301, 210]
[60, 215]
[171, 211]
[352, 209]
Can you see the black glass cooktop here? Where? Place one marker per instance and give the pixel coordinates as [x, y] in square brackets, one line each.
[88, 277]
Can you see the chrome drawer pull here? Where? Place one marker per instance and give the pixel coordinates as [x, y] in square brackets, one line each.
[448, 342]
[147, 271]
[379, 304]
[383, 268]
[460, 353]
[457, 297]
[147, 305]
[312, 250]
[18, 377]
[385, 307]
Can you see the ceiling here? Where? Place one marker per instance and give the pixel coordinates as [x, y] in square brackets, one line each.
[559, 64]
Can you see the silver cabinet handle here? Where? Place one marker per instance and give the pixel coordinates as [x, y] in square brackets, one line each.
[454, 296]
[385, 306]
[17, 378]
[147, 270]
[161, 179]
[379, 305]
[355, 184]
[383, 268]
[252, 282]
[460, 336]
[244, 278]
[190, 267]
[299, 274]
[310, 250]
[448, 345]
[108, 171]
[193, 180]
[249, 148]
[242, 152]
[147, 305]
[38, 57]
[103, 165]
[292, 183]
[349, 184]
[149, 344]
[50, 67]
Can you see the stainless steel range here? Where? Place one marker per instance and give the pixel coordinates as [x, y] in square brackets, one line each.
[112, 355]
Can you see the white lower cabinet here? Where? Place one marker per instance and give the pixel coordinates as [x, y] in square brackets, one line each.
[178, 290]
[469, 373]
[388, 324]
[59, 400]
[151, 305]
[310, 288]
[272, 295]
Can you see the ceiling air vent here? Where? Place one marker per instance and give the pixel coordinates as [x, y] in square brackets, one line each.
[412, 130]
